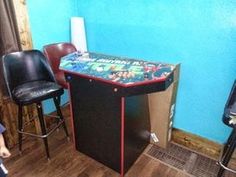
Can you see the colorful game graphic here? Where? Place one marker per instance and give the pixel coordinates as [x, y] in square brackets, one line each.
[116, 69]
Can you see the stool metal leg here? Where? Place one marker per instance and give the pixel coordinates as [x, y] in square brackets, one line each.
[227, 153]
[56, 102]
[20, 127]
[229, 141]
[43, 128]
[59, 100]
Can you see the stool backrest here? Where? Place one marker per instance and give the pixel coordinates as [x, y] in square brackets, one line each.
[232, 95]
[25, 66]
[54, 52]
[230, 106]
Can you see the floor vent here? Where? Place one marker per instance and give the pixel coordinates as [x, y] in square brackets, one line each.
[186, 160]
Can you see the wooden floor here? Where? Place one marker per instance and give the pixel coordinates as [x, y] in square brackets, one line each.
[67, 162]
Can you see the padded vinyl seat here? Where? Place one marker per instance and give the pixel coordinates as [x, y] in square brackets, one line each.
[36, 91]
[60, 77]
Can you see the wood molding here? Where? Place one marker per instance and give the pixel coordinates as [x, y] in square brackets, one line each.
[196, 143]
[9, 110]
[23, 24]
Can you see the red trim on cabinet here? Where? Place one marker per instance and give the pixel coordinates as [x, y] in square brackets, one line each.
[122, 136]
[117, 83]
[71, 116]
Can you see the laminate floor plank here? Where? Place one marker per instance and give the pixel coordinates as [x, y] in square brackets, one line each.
[67, 162]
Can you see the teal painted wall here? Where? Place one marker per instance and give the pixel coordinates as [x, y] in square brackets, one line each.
[50, 20]
[50, 23]
[201, 35]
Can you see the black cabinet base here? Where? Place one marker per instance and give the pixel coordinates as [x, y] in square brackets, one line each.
[112, 129]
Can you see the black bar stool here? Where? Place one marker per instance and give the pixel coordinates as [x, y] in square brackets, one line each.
[229, 118]
[29, 79]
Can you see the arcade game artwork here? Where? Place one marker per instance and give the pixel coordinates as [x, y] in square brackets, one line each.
[116, 69]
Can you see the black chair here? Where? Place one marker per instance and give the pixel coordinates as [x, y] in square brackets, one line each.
[29, 79]
[229, 118]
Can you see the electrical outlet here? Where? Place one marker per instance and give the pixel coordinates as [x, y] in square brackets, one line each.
[154, 137]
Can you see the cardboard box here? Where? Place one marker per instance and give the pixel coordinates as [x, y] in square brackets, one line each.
[162, 109]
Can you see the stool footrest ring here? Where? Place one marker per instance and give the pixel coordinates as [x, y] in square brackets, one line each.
[226, 168]
[42, 136]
